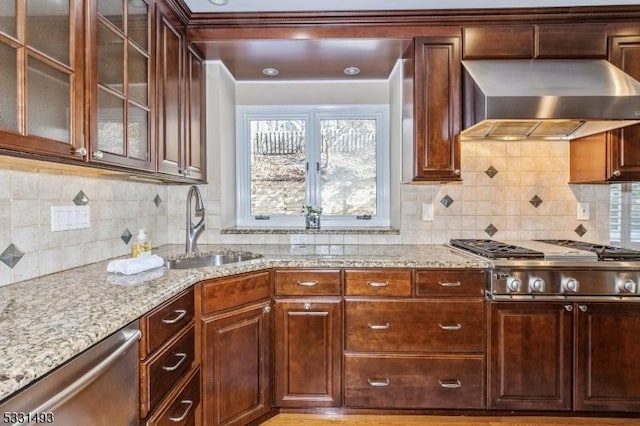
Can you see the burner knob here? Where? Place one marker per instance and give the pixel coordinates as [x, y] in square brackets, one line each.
[536, 285]
[570, 285]
[513, 284]
[627, 285]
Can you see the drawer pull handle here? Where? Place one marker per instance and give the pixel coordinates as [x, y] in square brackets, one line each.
[378, 383]
[307, 283]
[180, 314]
[384, 326]
[184, 415]
[378, 284]
[450, 327]
[174, 367]
[450, 284]
[450, 384]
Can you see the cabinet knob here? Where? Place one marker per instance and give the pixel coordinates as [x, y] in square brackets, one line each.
[80, 152]
[456, 172]
[583, 308]
[616, 173]
[98, 154]
[267, 309]
[568, 308]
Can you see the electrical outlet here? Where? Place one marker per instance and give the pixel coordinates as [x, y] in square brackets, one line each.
[64, 218]
[427, 212]
[299, 239]
[583, 211]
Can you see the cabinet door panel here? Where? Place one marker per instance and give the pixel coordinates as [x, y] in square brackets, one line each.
[437, 108]
[236, 366]
[169, 97]
[607, 376]
[625, 156]
[499, 42]
[308, 353]
[530, 356]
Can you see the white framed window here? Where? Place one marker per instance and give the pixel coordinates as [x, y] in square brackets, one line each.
[332, 157]
[624, 214]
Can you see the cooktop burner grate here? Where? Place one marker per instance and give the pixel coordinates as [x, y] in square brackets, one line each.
[604, 252]
[493, 249]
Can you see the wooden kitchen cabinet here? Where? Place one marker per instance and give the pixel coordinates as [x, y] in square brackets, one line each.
[42, 80]
[436, 108]
[422, 352]
[169, 365]
[308, 352]
[180, 101]
[535, 41]
[529, 356]
[607, 346]
[307, 338]
[611, 156]
[559, 356]
[120, 85]
[235, 344]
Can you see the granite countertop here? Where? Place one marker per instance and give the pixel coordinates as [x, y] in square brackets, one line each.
[46, 321]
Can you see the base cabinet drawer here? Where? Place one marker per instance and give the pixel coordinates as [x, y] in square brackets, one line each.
[414, 382]
[181, 409]
[415, 326]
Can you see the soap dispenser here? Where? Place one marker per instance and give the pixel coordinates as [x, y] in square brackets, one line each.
[142, 245]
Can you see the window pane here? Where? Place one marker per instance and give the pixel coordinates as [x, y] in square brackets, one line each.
[277, 166]
[137, 22]
[48, 28]
[137, 76]
[110, 123]
[48, 100]
[112, 10]
[8, 88]
[110, 54]
[8, 17]
[348, 167]
[137, 133]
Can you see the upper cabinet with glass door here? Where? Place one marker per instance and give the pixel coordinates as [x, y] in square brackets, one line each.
[119, 95]
[41, 82]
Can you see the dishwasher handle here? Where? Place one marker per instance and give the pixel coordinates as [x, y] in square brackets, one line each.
[91, 375]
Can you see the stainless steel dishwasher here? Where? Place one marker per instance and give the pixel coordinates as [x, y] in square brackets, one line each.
[99, 387]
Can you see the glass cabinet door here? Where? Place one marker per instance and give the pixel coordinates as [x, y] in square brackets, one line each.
[120, 131]
[39, 75]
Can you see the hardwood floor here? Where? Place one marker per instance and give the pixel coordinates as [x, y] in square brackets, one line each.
[286, 419]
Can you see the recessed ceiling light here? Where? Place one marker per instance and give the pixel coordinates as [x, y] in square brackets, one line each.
[270, 72]
[352, 70]
[219, 2]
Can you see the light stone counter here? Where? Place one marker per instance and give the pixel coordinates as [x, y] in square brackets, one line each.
[46, 321]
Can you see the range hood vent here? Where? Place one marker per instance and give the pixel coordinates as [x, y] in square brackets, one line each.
[546, 99]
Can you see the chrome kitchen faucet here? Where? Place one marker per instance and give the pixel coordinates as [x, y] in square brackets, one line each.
[194, 231]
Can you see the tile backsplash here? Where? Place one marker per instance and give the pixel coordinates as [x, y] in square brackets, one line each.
[510, 191]
[26, 196]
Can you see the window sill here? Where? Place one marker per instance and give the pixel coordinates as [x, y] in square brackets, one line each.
[321, 231]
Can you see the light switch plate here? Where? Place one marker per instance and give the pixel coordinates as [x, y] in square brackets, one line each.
[427, 212]
[583, 211]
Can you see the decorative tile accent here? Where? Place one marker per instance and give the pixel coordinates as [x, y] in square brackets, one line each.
[491, 230]
[535, 201]
[81, 199]
[157, 200]
[126, 236]
[11, 255]
[491, 172]
[446, 201]
[580, 230]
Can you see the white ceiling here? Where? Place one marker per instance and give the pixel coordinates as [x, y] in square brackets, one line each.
[197, 6]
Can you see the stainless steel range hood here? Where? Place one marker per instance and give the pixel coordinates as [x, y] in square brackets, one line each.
[546, 99]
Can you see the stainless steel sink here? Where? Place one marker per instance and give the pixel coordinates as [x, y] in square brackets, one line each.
[210, 259]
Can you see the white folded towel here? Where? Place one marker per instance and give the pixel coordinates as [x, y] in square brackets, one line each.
[135, 265]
